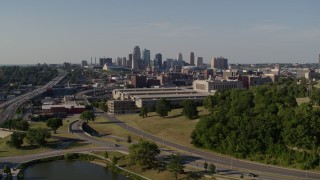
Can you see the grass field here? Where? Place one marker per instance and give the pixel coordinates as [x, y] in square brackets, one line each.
[111, 132]
[317, 84]
[175, 127]
[62, 131]
[302, 100]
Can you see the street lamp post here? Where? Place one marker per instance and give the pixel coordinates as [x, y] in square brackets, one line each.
[231, 163]
[306, 166]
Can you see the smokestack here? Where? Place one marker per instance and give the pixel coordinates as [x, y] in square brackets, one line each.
[95, 60]
[91, 60]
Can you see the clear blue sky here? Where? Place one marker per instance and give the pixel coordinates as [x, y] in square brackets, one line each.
[244, 31]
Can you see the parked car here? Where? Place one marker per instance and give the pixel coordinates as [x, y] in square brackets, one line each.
[251, 175]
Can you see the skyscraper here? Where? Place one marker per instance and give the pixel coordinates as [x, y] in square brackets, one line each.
[179, 57]
[219, 63]
[199, 61]
[84, 63]
[103, 61]
[124, 61]
[192, 59]
[158, 58]
[136, 57]
[146, 57]
[129, 62]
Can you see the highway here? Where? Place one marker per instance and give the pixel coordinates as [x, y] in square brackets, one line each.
[9, 107]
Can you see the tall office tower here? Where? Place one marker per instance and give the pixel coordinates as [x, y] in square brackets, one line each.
[103, 61]
[165, 64]
[199, 61]
[169, 63]
[158, 58]
[319, 61]
[130, 57]
[146, 57]
[154, 65]
[192, 59]
[84, 63]
[119, 61]
[129, 62]
[219, 63]
[179, 57]
[124, 61]
[136, 57]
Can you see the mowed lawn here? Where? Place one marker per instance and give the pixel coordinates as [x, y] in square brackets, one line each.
[302, 100]
[317, 84]
[111, 132]
[106, 127]
[175, 127]
[62, 131]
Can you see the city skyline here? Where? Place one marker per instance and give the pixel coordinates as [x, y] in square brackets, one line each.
[243, 32]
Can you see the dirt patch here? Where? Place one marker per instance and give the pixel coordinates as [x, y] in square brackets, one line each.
[4, 134]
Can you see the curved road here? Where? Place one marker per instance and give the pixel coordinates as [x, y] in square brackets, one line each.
[265, 170]
[75, 129]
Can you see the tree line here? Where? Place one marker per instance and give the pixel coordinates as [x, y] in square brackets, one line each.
[36, 75]
[146, 155]
[263, 123]
[33, 136]
[164, 106]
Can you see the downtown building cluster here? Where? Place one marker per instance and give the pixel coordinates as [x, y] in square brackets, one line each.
[140, 61]
[177, 79]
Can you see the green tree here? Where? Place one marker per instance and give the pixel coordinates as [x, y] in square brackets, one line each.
[175, 165]
[315, 96]
[54, 124]
[103, 106]
[89, 107]
[17, 124]
[88, 115]
[129, 139]
[212, 168]
[163, 107]
[144, 154]
[205, 165]
[106, 154]
[6, 169]
[143, 112]
[210, 102]
[38, 136]
[189, 109]
[22, 125]
[16, 140]
[114, 161]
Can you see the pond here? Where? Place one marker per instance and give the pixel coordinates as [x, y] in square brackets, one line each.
[78, 170]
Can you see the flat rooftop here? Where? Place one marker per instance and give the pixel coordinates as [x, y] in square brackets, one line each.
[186, 91]
[61, 105]
[150, 89]
[158, 96]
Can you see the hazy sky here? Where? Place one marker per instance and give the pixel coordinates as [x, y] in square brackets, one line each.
[244, 31]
